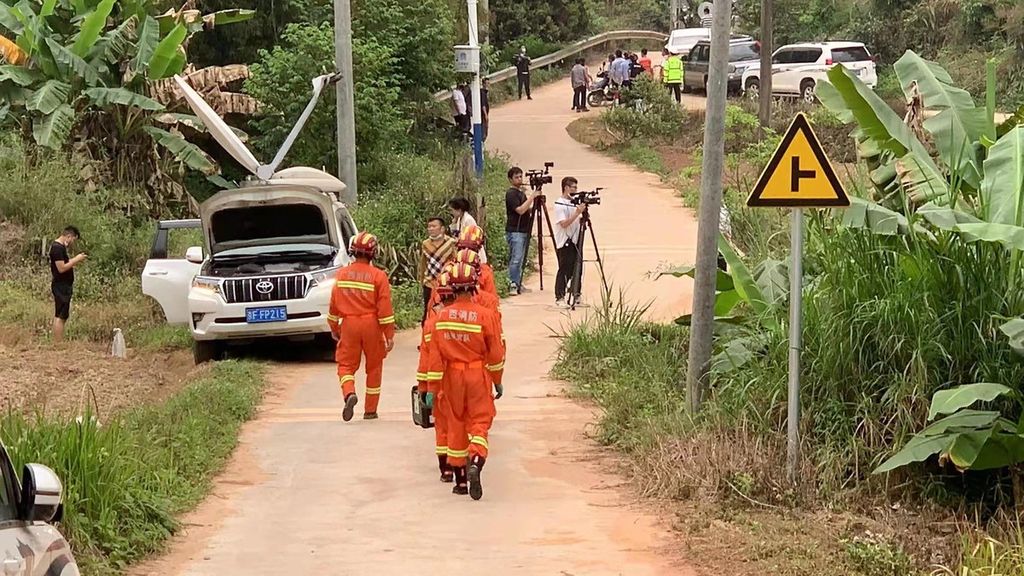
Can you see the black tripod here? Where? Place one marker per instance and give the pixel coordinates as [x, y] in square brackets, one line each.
[577, 275]
[540, 212]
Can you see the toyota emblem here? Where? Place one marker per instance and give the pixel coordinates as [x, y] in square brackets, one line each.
[264, 287]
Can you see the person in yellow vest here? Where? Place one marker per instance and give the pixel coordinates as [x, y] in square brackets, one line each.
[672, 74]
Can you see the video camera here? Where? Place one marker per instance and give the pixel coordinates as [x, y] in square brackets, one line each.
[587, 198]
[538, 178]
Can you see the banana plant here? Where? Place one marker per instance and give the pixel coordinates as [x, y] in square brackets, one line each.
[969, 439]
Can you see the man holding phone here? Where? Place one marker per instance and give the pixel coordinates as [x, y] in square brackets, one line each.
[62, 270]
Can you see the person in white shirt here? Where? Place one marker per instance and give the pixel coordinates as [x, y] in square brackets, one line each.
[567, 235]
[459, 110]
[462, 219]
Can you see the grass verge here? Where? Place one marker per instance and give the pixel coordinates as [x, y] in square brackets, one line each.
[126, 479]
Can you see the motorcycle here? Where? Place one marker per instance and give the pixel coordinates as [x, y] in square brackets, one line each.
[603, 92]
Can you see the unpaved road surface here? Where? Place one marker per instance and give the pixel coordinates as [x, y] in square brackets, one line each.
[307, 493]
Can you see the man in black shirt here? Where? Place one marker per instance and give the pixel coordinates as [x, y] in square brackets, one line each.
[523, 72]
[485, 105]
[62, 269]
[518, 224]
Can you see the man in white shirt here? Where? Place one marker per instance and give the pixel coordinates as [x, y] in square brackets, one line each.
[459, 110]
[567, 235]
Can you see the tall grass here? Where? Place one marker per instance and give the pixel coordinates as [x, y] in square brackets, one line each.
[126, 478]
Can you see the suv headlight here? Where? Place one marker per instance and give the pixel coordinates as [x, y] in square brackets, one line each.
[211, 284]
[323, 275]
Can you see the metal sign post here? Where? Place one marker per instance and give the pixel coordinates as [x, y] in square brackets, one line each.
[798, 176]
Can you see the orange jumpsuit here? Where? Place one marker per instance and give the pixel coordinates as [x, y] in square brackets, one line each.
[466, 355]
[361, 317]
[432, 384]
[487, 280]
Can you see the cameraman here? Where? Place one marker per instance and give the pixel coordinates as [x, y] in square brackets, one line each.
[518, 225]
[567, 235]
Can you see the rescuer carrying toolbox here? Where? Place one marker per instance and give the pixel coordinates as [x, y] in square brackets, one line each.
[466, 355]
[362, 320]
[429, 388]
[472, 238]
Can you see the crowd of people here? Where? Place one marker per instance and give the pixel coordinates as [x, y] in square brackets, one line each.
[619, 72]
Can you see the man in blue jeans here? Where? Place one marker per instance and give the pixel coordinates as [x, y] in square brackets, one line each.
[518, 224]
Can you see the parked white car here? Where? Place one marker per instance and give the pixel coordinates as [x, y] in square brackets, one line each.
[271, 249]
[797, 68]
[683, 40]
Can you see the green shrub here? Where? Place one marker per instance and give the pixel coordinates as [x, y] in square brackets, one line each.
[646, 111]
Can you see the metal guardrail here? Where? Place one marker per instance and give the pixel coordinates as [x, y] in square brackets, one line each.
[571, 50]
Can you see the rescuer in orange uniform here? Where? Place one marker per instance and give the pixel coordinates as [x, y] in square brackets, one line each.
[482, 296]
[472, 238]
[429, 388]
[363, 322]
[466, 355]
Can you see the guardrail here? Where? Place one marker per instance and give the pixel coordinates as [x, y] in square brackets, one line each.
[571, 50]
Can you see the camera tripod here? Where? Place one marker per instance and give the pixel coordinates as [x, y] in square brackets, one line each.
[576, 287]
[540, 213]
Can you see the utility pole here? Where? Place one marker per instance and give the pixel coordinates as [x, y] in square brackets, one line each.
[485, 6]
[701, 327]
[764, 110]
[478, 127]
[673, 15]
[346, 115]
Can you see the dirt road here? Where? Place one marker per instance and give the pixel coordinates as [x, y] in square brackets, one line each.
[309, 494]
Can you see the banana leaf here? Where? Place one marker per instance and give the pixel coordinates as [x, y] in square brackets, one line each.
[944, 217]
[1011, 237]
[49, 97]
[723, 280]
[953, 399]
[74, 63]
[184, 151]
[745, 285]
[866, 215]
[772, 277]
[165, 54]
[149, 37]
[106, 97]
[1002, 193]
[91, 28]
[19, 75]
[734, 355]
[53, 130]
[1014, 330]
[117, 43]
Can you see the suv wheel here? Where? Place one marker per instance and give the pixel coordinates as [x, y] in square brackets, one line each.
[753, 88]
[807, 91]
[205, 350]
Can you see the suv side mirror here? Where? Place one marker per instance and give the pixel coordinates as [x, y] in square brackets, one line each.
[194, 254]
[41, 492]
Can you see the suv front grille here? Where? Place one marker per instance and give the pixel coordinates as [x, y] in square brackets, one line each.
[267, 289]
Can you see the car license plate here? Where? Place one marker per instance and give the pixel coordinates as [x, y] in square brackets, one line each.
[266, 314]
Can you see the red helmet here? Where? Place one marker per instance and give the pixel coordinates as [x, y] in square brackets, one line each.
[463, 277]
[471, 237]
[444, 286]
[364, 244]
[467, 256]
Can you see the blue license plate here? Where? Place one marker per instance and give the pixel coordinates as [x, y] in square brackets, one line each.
[266, 314]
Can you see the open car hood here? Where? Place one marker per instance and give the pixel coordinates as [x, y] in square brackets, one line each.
[267, 215]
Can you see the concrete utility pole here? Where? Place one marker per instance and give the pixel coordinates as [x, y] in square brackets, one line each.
[764, 110]
[701, 328]
[346, 113]
[478, 126]
[673, 15]
[485, 6]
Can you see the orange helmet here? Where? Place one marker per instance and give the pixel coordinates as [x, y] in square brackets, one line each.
[471, 237]
[462, 277]
[444, 285]
[364, 244]
[467, 256]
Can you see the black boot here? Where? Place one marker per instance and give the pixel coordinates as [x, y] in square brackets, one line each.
[447, 475]
[350, 405]
[476, 489]
[460, 481]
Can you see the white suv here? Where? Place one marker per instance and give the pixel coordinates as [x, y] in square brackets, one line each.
[272, 249]
[271, 253]
[797, 68]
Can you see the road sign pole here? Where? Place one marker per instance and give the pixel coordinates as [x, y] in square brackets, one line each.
[796, 232]
[478, 127]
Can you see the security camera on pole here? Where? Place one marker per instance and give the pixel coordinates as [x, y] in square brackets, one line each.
[467, 59]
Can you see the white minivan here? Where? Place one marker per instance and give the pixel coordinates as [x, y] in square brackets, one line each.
[797, 68]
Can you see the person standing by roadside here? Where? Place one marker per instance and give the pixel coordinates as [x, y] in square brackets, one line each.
[580, 79]
[645, 63]
[462, 219]
[567, 235]
[518, 224]
[459, 110]
[672, 74]
[436, 251]
[522, 63]
[62, 271]
[485, 105]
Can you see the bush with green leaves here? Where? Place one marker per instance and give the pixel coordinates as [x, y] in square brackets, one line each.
[646, 111]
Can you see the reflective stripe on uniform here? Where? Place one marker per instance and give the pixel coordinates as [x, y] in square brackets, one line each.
[421, 375]
[347, 378]
[356, 285]
[426, 338]
[479, 440]
[372, 391]
[434, 376]
[496, 367]
[458, 453]
[332, 318]
[460, 327]
[441, 450]
[387, 320]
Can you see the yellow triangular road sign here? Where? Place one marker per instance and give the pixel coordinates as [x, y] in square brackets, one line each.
[799, 174]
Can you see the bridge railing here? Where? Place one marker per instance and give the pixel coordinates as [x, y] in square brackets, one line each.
[571, 50]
